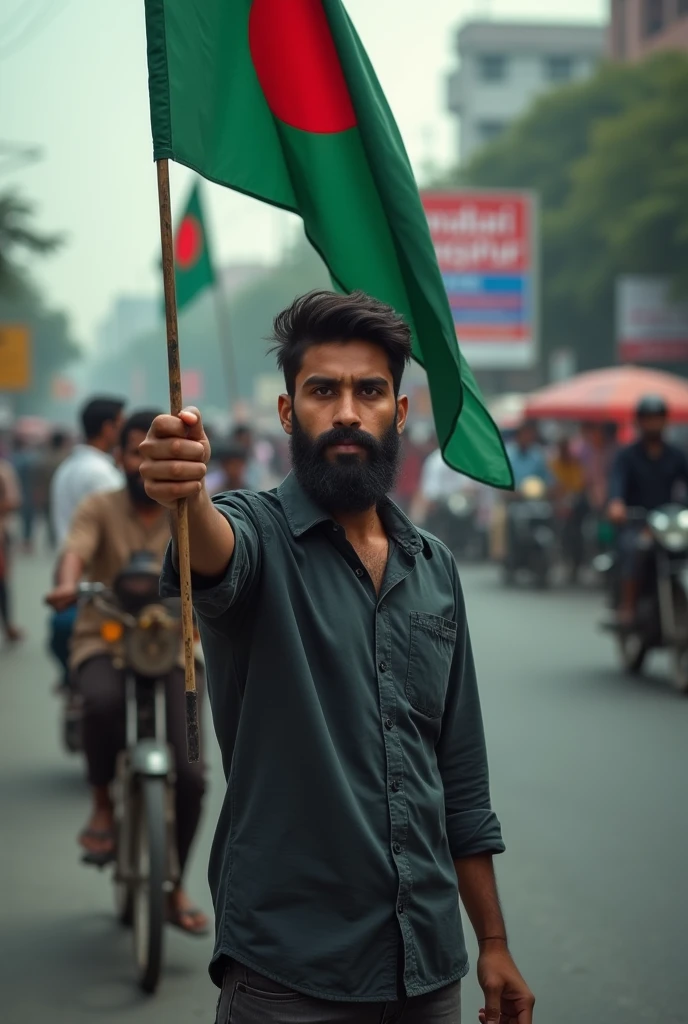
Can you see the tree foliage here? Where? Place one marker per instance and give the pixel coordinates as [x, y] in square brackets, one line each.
[21, 302]
[608, 160]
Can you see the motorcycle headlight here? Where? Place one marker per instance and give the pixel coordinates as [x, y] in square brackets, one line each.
[457, 503]
[659, 521]
[675, 540]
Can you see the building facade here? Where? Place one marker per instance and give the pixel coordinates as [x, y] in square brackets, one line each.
[641, 27]
[503, 67]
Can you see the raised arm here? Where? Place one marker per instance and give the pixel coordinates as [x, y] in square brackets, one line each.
[175, 454]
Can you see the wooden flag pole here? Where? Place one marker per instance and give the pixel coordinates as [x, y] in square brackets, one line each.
[167, 245]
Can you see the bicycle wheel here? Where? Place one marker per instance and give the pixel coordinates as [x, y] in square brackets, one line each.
[149, 885]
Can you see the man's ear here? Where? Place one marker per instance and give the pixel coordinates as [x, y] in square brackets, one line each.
[285, 407]
[402, 412]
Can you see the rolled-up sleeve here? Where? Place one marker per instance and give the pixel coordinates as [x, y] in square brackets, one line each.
[472, 826]
[213, 596]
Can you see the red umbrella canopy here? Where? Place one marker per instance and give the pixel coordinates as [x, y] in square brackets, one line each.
[609, 395]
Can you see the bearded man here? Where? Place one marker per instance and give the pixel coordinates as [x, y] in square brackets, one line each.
[345, 703]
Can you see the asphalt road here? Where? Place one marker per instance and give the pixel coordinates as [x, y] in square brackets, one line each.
[589, 775]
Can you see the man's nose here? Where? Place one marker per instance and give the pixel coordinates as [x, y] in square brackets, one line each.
[346, 413]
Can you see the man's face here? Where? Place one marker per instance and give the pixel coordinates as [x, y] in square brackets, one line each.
[131, 464]
[526, 438]
[652, 427]
[345, 425]
[235, 472]
[111, 432]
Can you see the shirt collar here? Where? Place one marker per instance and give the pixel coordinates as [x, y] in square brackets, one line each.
[303, 514]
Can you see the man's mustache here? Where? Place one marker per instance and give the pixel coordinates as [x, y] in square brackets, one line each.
[345, 435]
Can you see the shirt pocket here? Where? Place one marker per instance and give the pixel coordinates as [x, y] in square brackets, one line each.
[431, 650]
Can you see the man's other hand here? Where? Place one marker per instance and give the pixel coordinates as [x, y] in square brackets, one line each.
[508, 1000]
[64, 595]
[175, 455]
[616, 510]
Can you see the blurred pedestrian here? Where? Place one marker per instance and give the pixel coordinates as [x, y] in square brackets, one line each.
[24, 460]
[243, 437]
[49, 459]
[89, 469]
[571, 505]
[230, 474]
[10, 501]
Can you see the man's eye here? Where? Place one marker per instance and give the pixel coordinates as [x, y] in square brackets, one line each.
[324, 390]
[370, 391]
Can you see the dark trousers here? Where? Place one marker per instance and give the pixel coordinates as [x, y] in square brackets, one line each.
[249, 998]
[104, 731]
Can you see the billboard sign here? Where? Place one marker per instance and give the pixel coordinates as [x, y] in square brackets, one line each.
[651, 326]
[15, 357]
[486, 248]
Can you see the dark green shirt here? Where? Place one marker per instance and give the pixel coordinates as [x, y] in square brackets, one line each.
[353, 746]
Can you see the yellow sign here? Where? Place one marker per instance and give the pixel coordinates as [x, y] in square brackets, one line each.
[15, 357]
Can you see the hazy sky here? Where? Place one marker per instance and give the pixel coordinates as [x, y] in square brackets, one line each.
[79, 89]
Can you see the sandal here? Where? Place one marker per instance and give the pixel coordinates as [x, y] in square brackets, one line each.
[99, 858]
[189, 914]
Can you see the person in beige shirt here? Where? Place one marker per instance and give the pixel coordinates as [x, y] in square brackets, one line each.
[107, 529]
[10, 500]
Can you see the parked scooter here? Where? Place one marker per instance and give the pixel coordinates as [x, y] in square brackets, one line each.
[455, 520]
[661, 619]
[531, 534]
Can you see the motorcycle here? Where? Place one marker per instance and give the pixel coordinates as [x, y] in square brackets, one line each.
[455, 520]
[530, 533]
[144, 634]
[661, 619]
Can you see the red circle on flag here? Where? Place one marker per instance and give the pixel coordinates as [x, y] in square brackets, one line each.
[298, 66]
[188, 243]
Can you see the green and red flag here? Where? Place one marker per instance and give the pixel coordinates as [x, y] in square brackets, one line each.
[193, 268]
[277, 99]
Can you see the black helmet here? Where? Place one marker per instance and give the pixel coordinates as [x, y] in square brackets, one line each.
[651, 405]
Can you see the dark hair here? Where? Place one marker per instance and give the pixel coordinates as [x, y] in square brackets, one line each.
[230, 450]
[141, 420]
[323, 316]
[100, 410]
[58, 439]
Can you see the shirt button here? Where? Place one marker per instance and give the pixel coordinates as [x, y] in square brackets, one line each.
[359, 573]
[334, 527]
[397, 847]
[395, 785]
[383, 666]
[389, 724]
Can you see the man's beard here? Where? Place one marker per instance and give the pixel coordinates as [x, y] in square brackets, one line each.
[347, 483]
[652, 436]
[137, 490]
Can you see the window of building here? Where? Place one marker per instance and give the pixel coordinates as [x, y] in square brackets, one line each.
[619, 28]
[488, 130]
[654, 16]
[559, 67]
[492, 67]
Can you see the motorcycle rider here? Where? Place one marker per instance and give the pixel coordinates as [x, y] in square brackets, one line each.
[89, 468]
[646, 474]
[107, 529]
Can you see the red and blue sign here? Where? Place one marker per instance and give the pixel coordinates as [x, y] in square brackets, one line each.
[485, 245]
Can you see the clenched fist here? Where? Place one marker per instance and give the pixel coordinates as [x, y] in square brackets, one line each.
[175, 456]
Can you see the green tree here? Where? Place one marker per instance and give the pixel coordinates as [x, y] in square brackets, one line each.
[608, 159]
[17, 234]
[20, 301]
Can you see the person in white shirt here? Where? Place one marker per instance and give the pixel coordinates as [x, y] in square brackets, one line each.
[90, 467]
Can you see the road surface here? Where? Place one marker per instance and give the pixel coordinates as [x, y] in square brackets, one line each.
[589, 776]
